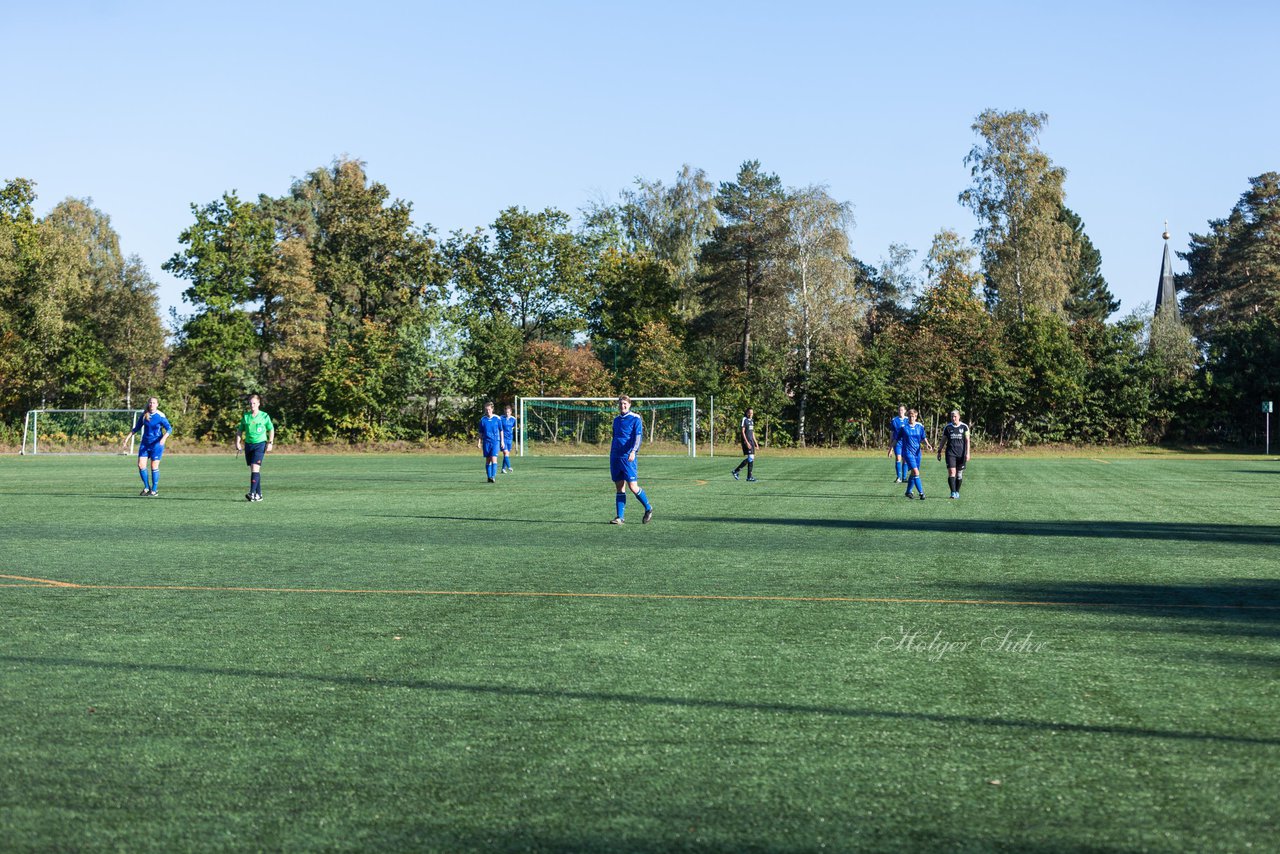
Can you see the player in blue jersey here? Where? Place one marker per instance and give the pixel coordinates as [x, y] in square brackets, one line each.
[508, 439]
[895, 442]
[155, 429]
[490, 441]
[628, 430]
[913, 435]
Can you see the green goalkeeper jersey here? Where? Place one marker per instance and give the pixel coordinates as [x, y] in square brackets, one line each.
[256, 427]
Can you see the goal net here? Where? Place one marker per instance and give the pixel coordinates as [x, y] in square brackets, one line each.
[77, 431]
[584, 425]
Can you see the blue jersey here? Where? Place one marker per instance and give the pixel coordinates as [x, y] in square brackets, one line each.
[627, 431]
[895, 427]
[508, 430]
[151, 428]
[491, 431]
[912, 436]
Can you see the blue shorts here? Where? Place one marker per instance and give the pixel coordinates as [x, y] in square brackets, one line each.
[911, 460]
[254, 452]
[491, 450]
[622, 469]
[897, 449]
[154, 451]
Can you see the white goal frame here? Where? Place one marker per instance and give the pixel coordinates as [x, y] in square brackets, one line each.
[31, 427]
[692, 402]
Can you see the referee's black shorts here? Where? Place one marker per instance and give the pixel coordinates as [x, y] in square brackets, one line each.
[955, 461]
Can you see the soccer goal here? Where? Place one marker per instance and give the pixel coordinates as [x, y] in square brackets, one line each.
[77, 431]
[584, 425]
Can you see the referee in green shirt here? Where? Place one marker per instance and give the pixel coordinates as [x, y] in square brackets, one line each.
[257, 435]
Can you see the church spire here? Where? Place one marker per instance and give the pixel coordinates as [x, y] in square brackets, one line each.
[1166, 292]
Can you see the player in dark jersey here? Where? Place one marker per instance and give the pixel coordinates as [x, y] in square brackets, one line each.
[955, 443]
[747, 437]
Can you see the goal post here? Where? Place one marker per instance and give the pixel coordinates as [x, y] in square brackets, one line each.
[77, 431]
[584, 425]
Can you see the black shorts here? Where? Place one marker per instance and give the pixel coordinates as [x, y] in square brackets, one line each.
[955, 461]
[747, 450]
[254, 452]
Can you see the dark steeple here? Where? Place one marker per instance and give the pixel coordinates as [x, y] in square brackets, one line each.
[1166, 293]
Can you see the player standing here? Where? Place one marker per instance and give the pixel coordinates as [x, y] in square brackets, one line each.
[955, 441]
[913, 436]
[490, 441]
[508, 438]
[747, 437]
[895, 442]
[155, 428]
[257, 435]
[628, 429]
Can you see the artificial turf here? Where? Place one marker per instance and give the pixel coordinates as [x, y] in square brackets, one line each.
[388, 653]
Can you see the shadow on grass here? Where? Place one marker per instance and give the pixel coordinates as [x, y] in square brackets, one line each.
[1097, 529]
[508, 691]
[1240, 606]
[488, 520]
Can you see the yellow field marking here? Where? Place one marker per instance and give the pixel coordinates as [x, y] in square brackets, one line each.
[700, 482]
[44, 582]
[694, 597]
[1096, 460]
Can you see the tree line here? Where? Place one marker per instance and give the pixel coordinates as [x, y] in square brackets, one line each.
[356, 324]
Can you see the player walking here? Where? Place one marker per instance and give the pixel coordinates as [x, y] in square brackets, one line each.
[628, 429]
[895, 443]
[955, 441]
[256, 435]
[490, 441]
[508, 439]
[155, 428]
[747, 437]
[912, 435]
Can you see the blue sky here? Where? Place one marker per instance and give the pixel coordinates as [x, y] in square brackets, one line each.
[1156, 110]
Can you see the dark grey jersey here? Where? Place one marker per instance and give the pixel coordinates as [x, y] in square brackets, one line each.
[748, 431]
[955, 438]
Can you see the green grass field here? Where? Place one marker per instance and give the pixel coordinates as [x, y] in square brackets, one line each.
[390, 654]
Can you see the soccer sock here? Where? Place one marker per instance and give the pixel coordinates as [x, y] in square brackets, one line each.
[738, 467]
[142, 473]
[951, 482]
[959, 480]
[489, 469]
[255, 483]
[621, 500]
[751, 465]
[644, 500]
[915, 480]
[155, 480]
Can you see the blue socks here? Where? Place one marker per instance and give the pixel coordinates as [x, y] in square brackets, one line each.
[915, 481]
[155, 480]
[146, 484]
[255, 482]
[491, 469]
[644, 500]
[621, 499]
